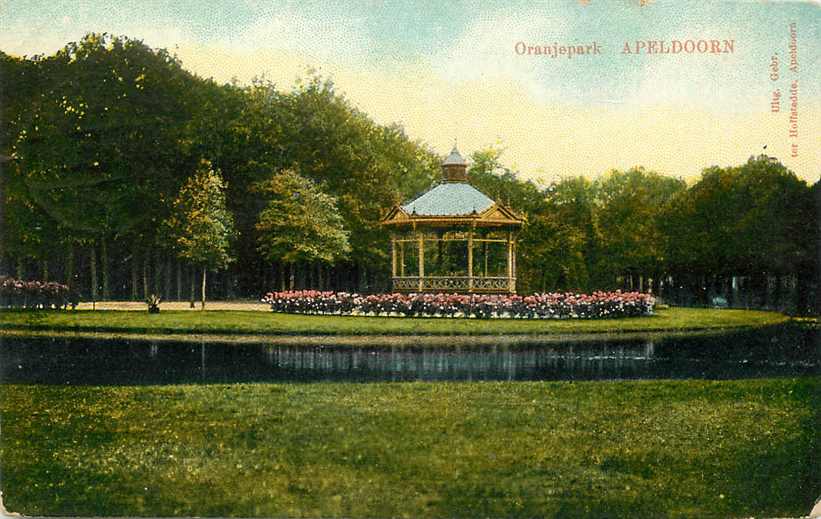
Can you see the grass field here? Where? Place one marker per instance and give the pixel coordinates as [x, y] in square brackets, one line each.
[594, 449]
[245, 322]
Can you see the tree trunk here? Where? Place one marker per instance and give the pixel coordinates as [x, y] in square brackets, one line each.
[192, 280]
[179, 281]
[203, 288]
[104, 265]
[229, 285]
[135, 277]
[157, 273]
[363, 278]
[292, 276]
[281, 269]
[167, 292]
[19, 273]
[801, 296]
[70, 267]
[44, 267]
[93, 266]
[301, 274]
[145, 276]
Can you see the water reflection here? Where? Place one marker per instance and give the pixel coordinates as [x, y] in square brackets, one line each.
[783, 351]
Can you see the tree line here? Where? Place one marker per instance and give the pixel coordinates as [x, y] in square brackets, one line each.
[102, 138]
[747, 234]
[125, 175]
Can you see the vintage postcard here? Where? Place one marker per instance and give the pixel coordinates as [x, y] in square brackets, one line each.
[400, 258]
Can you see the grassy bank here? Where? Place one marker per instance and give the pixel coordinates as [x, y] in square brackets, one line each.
[250, 323]
[633, 449]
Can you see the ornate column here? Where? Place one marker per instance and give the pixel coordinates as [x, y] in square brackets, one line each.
[421, 238]
[393, 255]
[470, 260]
[510, 285]
[515, 267]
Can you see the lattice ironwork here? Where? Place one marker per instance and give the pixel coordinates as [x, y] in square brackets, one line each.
[445, 284]
[406, 283]
[493, 283]
[461, 284]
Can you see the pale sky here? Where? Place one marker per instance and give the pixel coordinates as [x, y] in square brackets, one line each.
[448, 70]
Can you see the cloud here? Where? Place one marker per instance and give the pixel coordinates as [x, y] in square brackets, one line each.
[484, 51]
[317, 38]
[48, 33]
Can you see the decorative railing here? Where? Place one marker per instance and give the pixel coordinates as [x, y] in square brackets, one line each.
[454, 284]
[495, 283]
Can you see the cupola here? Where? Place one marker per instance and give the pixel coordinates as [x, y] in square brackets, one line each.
[455, 167]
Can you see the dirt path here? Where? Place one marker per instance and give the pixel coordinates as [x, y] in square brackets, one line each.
[252, 306]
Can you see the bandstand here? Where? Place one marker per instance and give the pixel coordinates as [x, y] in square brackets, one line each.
[453, 238]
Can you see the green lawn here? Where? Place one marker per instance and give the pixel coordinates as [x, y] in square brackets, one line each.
[597, 449]
[241, 322]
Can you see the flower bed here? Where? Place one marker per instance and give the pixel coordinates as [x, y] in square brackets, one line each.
[598, 305]
[16, 293]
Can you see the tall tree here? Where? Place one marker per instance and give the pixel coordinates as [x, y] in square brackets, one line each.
[559, 245]
[749, 220]
[630, 205]
[300, 223]
[368, 168]
[98, 150]
[200, 225]
[566, 237]
[25, 231]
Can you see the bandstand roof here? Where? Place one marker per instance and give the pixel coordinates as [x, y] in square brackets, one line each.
[449, 199]
[453, 201]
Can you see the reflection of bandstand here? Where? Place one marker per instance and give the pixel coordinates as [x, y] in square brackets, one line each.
[453, 238]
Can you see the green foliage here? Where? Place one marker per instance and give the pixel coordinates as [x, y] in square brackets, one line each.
[581, 235]
[538, 239]
[200, 226]
[300, 223]
[566, 236]
[96, 150]
[630, 207]
[367, 167]
[502, 184]
[742, 220]
[102, 134]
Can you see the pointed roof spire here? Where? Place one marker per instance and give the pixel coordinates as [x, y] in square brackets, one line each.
[455, 158]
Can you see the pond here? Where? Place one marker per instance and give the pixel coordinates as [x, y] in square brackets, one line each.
[785, 351]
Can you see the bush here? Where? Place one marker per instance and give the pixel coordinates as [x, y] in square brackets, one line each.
[597, 305]
[15, 293]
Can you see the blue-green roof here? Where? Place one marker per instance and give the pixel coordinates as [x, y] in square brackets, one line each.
[449, 199]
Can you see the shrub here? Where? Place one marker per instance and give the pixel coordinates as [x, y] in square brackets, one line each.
[153, 301]
[597, 305]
